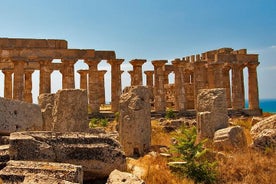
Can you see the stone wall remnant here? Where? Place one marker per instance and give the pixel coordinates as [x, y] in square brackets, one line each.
[98, 154]
[211, 112]
[46, 102]
[135, 120]
[19, 116]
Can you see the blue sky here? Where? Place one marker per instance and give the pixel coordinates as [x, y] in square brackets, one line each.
[151, 29]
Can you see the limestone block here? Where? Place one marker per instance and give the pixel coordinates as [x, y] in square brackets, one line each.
[24, 171]
[135, 120]
[98, 154]
[70, 110]
[267, 123]
[19, 116]
[265, 139]
[118, 177]
[46, 102]
[230, 138]
[211, 112]
[4, 156]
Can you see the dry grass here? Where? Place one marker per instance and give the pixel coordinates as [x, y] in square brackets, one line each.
[249, 167]
[157, 171]
[159, 137]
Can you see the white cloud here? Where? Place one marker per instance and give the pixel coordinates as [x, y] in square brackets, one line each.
[273, 47]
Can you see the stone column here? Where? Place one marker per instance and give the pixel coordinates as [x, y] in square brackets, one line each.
[83, 79]
[132, 78]
[210, 76]
[159, 90]
[8, 83]
[93, 81]
[28, 96]
[253, 92]
[149, 76]
[68, 76]
[179, 81]
[226, 85]
[200, 78]
[137, 70]
[218, 75]
[45, 76]
[101, 86]
[18, 80]
[166, 77]
[116, 87]
[237, 85]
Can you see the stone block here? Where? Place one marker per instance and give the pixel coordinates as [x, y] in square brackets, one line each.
[30, 171]
[46, 102]
[267, 123]
[231, 138]
[265, 140]
[135, 120]
[19, 116]
[98, 154]
[118, 177]
[70, 110]
[211, 112]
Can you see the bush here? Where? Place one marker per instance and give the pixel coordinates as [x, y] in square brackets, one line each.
[196, 165]
[98, 122]
[170, 114]
[117, 115]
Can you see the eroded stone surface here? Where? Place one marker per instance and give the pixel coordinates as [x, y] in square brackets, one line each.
[266, 140]
[98, 154]
[118, 177]
[267, 123]
[19, 116]
[230, 138]
[24, 171]
[135, 120]
[46, 102]
[70, 110]
[211, 112]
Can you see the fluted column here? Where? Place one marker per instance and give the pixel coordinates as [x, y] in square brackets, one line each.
[218, 74]
[200, 78]
[116, 87]
[68, 76]
[93, 81]
[253, 92]
[159, 90]
[8, 83]
[226, 85]
[180, 100]
[101, 86]
[45, 76]
[166, 77]
[237, 85]
[18, 80]
[28, 96]
[132, 79]
[137, 71]
[149, 78]
[83, 78]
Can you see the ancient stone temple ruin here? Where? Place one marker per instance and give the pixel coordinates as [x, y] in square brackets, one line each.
[222, 68]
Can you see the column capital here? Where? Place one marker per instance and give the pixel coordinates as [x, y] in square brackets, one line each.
[137, 62]
[159, 63]
[7, 70]
[102, 72]
[115, 61]
[130, 72]
[252, 65]
[149, 72]
[92, 62]
[84, 72]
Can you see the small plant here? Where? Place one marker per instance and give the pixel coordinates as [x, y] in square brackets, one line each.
[170, 114]
[196, 166]
[98, 122]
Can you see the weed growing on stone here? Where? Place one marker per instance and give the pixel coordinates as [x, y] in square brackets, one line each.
[170, 114]
[98, 122]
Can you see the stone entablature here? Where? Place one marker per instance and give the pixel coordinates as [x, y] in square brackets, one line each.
[19, 58]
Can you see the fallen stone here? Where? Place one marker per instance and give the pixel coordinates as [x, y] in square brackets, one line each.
[118, 177]
[267, 123]
[19, 116]
[41, 179]
[70, 111]
[46, 102]
[265, 140]
[255, 120]
[135, 120]
[212, 112]
[4, 155]
[231, 138]
[18, 171]
[98, 154]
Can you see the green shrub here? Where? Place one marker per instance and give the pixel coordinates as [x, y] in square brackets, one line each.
[117, 115]
[170, 114]
[98, 122]
[196, 165]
